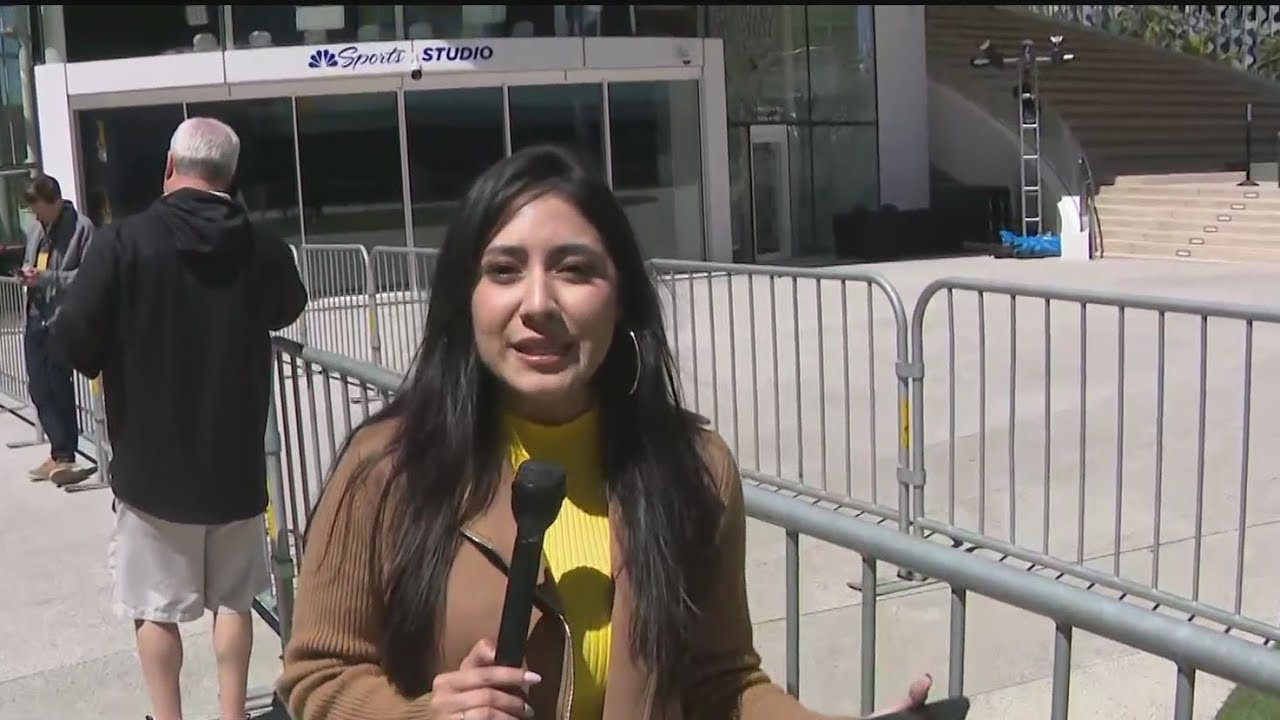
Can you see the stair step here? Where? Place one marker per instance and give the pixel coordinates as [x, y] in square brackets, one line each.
[1192, 120]
[1122, 248]
[1157, 211]
[1112, 199]
[1262, 228]
[1189, 240]
[1261, 196]
[1182, 180]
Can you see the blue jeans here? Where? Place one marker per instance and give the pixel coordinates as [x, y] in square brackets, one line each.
[53, 392]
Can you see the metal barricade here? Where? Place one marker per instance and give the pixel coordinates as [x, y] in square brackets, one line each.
[337, 281]
[307, 433]
[400, 287]
[803, 341]
[90, 409]
[804, 371]
[310, 418]
[1138, 409]
[13, 364]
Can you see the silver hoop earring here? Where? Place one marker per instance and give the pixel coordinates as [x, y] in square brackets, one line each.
[635, 343]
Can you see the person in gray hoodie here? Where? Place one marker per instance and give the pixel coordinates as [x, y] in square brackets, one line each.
[55, 244]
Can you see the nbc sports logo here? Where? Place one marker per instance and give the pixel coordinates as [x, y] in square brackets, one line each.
[322, 58]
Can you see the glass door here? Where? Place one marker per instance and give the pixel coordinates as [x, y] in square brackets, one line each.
[770, 192]
[643, 131]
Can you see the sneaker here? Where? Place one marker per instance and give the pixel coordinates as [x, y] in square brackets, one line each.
[67, 473]
[43, 471]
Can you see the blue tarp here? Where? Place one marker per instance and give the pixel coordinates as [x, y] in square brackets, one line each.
[1045, 245]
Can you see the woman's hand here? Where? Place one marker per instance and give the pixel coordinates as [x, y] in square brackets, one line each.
[917, 694]
[480, 690]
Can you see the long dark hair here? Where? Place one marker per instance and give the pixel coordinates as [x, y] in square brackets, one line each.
[447, 457]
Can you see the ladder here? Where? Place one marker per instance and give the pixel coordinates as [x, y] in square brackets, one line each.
[1029, 149]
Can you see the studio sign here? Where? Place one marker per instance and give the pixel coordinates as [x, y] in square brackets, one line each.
[352, 57]
[456, 53]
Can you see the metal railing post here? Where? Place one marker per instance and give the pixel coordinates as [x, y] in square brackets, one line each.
[101, 441]
[371, 300]
[1248, 148]
[277, 523]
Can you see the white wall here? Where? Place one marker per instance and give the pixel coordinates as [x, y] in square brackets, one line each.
[902, 98]
[967, 143]
[57, 130]
[715, 154]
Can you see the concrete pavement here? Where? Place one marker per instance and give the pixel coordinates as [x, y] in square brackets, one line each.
[62, 652]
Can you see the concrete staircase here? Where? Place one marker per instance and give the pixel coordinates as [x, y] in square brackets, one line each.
[1163, 131]
[1195, 217]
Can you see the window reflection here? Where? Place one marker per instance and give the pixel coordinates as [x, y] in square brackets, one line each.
[106, 32]
[657, 164]
[842, 62]
[807, 71]
[474, 21]
[453, 137]
[17, 136]
[14, 218]
[286, 25]
[649, 20]
[484, 21]
[570, 115]
[802, 187]
[740, 193]
[766, 71]
[266, 178]
[349, 154]
[123, 152]
[846, 173]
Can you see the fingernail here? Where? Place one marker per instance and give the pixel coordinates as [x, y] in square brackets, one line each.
[532, 678]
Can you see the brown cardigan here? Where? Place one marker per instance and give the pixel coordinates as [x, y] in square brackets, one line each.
[331, 667]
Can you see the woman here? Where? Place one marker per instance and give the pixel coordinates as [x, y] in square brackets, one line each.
[544, 338]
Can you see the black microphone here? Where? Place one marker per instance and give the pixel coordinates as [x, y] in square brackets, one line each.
[536, 496]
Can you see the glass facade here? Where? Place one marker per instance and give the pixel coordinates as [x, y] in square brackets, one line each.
[166, 29]
[122, 163]
[378, 170]
[657, 172]
[108, 32]
[801, 90]
[267, 181]
[452, 136]
[19, 152]
[801, 105]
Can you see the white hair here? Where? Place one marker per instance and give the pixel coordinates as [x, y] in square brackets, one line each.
[207, 149]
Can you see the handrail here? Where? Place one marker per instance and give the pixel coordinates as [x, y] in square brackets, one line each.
[1090, 220]
[1187, 644]
[373, 375]
[1124, 301]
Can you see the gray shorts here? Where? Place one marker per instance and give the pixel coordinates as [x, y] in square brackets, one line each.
[172, 572]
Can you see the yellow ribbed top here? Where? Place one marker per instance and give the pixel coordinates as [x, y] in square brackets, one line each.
[577, 546]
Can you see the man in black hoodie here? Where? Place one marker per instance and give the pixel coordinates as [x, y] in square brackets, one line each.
[175, 306]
